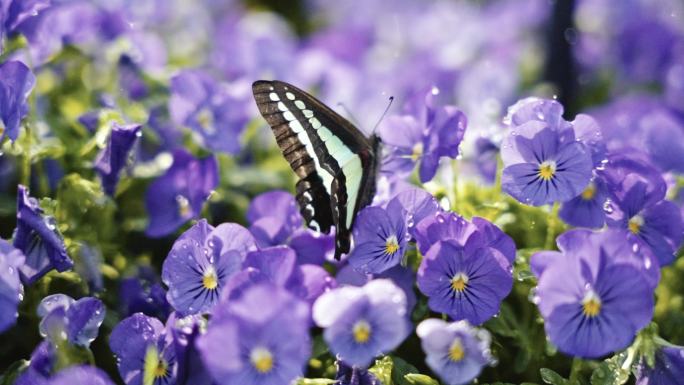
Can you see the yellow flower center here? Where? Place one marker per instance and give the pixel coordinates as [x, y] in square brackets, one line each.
[591, 304]
[206, 120]
[589, 192]
[456, 352]
[262, 359]
[459, 282]
[417, 151]
[161, 370]
[635, 224]
[391, 245]
[547, 169]
[210, 279]
[183, 206]
[361, 331]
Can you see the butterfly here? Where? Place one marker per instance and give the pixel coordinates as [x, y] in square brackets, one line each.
[336, 164]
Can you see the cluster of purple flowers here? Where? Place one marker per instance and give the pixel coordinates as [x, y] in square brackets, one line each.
[251, 304]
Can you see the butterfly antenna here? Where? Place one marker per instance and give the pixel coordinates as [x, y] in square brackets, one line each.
[351, 116]
[391, 99]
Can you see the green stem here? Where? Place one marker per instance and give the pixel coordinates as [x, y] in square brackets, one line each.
[575, 371]
[551, 224]
[26, 158]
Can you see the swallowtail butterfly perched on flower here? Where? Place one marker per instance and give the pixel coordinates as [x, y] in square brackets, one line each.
[335, 162]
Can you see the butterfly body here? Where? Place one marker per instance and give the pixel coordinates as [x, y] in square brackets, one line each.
[336, 164]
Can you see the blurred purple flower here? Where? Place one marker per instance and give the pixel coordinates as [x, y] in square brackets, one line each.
[260, 338]
[210, 109]
[63, 318]
[645, 123]
[90, 267]
[78, 22]
[37, 237]
[253, 45]
[131, 80]
[82, 374]
[465, 281]
[380, 239]
[113, 158]
[275, 220]
[594, 295]
[178, 195]
[436, 132]
[637, 191]
[140, 342]
[455, 351]
[200, 263]
[143, 293]
[362, 322]
[14, 12]
[668, 368]
[16, 83]
[674, 87]
[486, 158]
[586, 209]
[353, 375]
[11, 290]
[645, 48]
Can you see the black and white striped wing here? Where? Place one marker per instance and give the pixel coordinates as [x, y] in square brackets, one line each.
[334, 161]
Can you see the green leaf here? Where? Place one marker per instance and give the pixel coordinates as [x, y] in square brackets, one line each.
[420, 379]
[400, 369]
[552, 378]
[610, 372]
[383, 370]
[13, 371]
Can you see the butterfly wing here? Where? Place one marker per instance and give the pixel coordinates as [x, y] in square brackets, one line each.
[334, 161]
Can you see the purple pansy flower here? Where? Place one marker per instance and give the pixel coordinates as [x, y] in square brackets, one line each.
[437, 132]
[361, 322]
[465, 281]
[141, 342]
[594, 297]
[37, 237]
[260, 338]
[278, 266]
[416, 204]
[637, 191]
[380, 239]
[191, 369]
[587, 209]
[81, 374]
[200, 263]
[275, 220]
[450, 226]
[16, 83]
[401, 276]
[667, 370]
[11, 290]
[63, 318]
[40, 366]
[15, 12]
[210, 109]
[354, 375]
[543, 165]
[143, 293]
[456, 351]
[179, 194]
[112, 159]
